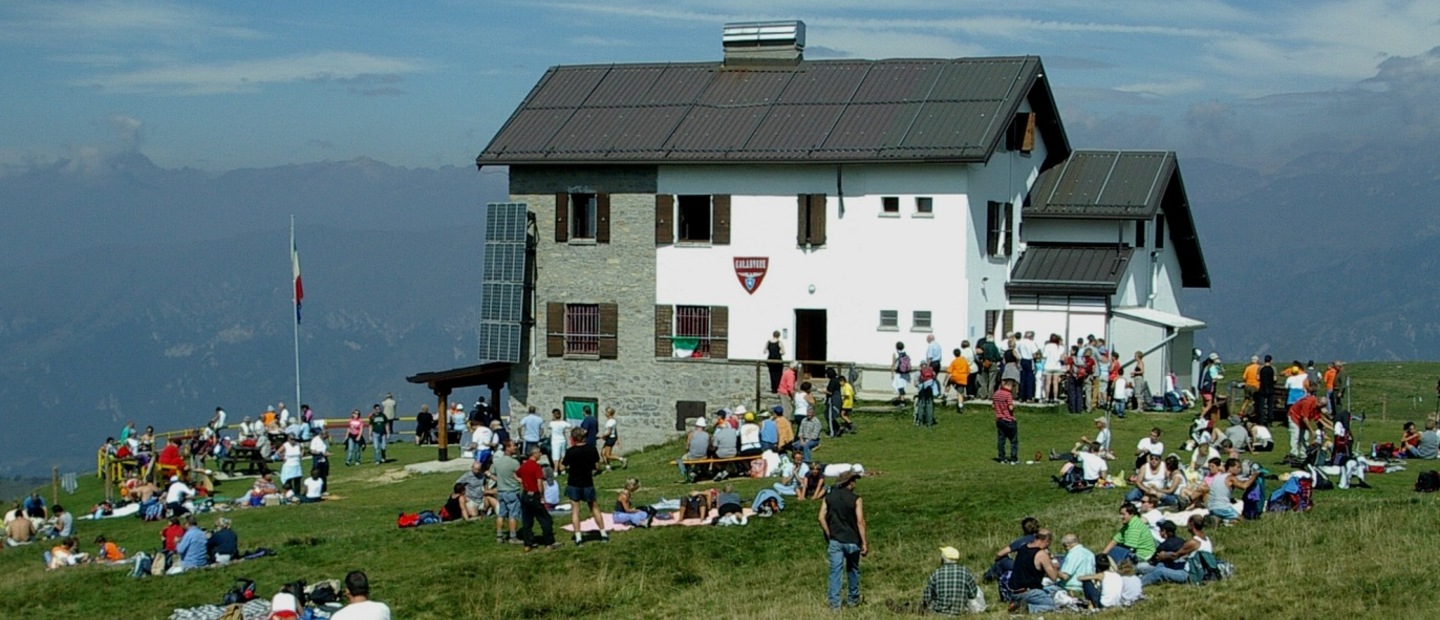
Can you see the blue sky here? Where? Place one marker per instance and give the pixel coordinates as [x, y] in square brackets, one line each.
[218, 86]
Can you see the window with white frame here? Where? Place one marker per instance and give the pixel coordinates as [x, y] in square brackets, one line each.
[920, 320]
[889, 319]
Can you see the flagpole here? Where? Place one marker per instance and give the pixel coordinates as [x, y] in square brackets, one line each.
[295, 299]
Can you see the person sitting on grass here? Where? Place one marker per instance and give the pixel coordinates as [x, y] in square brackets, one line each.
[1148, 480]
[1107, 594]
[66, 554]
[1101, 440]
[1076, 563]
[314, 488]
[474, 497]
[951, 589]
[1174, 552]
[263, 487]
[1218, 500]
[193, 549]
[454, 508]
[224, 545]
[792, 475]
[1427, 446]
[109, 553]
[360, 607]
[1033, 565]
[626, 512]
[1085, 465]
[20, 530]
[1133, 540]
[1003, 561]
[1260, 438]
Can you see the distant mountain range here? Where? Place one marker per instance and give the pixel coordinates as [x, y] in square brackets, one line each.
[133, 292]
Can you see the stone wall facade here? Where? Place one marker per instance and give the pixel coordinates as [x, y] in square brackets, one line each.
[642, 388]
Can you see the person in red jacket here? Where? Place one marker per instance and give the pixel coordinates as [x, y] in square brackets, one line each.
[171, 459]
[171, 535]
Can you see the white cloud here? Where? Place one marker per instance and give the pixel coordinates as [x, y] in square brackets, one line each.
[249, 76]
[1163, 89]
[60, 23]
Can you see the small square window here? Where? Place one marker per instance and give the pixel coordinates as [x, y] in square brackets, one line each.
[889, 319]
[924, 205]
[920, 320]
[890, 205]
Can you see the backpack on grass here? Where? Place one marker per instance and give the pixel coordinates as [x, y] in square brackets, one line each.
[1203, 566]
[243, 592]
[1428, 482]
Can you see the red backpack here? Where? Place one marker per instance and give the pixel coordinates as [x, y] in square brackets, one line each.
[411, 519]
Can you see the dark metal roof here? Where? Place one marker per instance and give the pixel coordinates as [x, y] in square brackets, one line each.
[1069, 269]
[827, 111]
[493, 374]
[1123, 185]
[1103, 184]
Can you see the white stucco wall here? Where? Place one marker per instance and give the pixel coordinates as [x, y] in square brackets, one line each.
[870, 262]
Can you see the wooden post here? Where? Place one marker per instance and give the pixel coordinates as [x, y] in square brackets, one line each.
[1384, 406]
[55, 485]
[757, 387]
[443, 447]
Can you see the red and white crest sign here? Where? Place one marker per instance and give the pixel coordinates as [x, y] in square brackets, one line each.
[750, 270]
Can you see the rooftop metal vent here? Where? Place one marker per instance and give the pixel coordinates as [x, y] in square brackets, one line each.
[764, 42]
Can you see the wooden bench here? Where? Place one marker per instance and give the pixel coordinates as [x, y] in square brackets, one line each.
[254, 462]
[729, 466]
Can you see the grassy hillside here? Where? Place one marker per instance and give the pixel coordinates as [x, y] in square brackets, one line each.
[1354, 553]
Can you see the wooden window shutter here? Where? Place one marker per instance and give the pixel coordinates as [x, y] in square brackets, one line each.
[609, 323]
[562, 217]
[1009, 228]
[602, 218]
[1027, 142]
[554, 329]
[802, 226]
[817, 219]
[1007, 322]
[719, 332]
[720, 219]
[992, 228]
[664, 322]
[664, 219]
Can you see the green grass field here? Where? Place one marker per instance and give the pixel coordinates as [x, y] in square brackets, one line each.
[1357, 553]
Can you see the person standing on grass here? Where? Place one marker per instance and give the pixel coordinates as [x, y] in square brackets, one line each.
[532, 502]
[833, 404]
[611, 435]
[354, 438]
[590, 425]
[842, 519]
[379, 430]
[580, 464]
[900, 372]
[1264, 392]
[507, 492]
[1003, 400]
[387, 407]
[531, 429]
[957, 375]
[987, 358]
[357, 591]
[1306, 417]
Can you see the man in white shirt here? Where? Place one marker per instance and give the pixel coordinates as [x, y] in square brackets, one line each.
[284, 416]
[217, 422]
[1025, 350]
[176, 495]
[357, 590]
[1151, 444]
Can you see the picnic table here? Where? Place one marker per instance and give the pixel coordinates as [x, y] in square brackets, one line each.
[255, 462]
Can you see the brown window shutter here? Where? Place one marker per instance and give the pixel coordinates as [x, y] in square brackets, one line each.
[1009, 227]
[720, 218]
[554, 329]
[719, 332]
[562, 217]
[1027, 143]
[1007, 322]
[664, 219]
[992, 228]
[609, 322]
[802, 226]
[817, 219]
[602, 218]
[664, 321]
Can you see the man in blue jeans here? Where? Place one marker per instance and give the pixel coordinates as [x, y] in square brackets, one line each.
[842, 518]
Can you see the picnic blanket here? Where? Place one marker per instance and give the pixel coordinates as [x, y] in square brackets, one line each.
[588, 525]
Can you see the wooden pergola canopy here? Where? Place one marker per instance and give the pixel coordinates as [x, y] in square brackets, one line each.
[493, 375]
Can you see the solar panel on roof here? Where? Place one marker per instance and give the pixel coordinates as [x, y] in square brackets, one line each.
[503, 282]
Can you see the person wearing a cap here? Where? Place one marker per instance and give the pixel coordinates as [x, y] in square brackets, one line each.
[842, 519]
[951, 590]
[1101, 440]
[283, 606]
[750, 444]
[1306, 418]
[697, 447]
[769, 431]
[176, 495]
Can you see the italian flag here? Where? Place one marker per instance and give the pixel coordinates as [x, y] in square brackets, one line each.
[295, 272]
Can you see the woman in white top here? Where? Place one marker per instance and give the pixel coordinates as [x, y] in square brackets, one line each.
[1053, 353]
[610, 434]
[290, 471]
[559, 436]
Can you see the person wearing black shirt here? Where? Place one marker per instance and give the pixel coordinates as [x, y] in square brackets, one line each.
[1032, 566]
[581, 462]
[223, 544]
[1264, 397]
[842, 518]
[453, 511]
